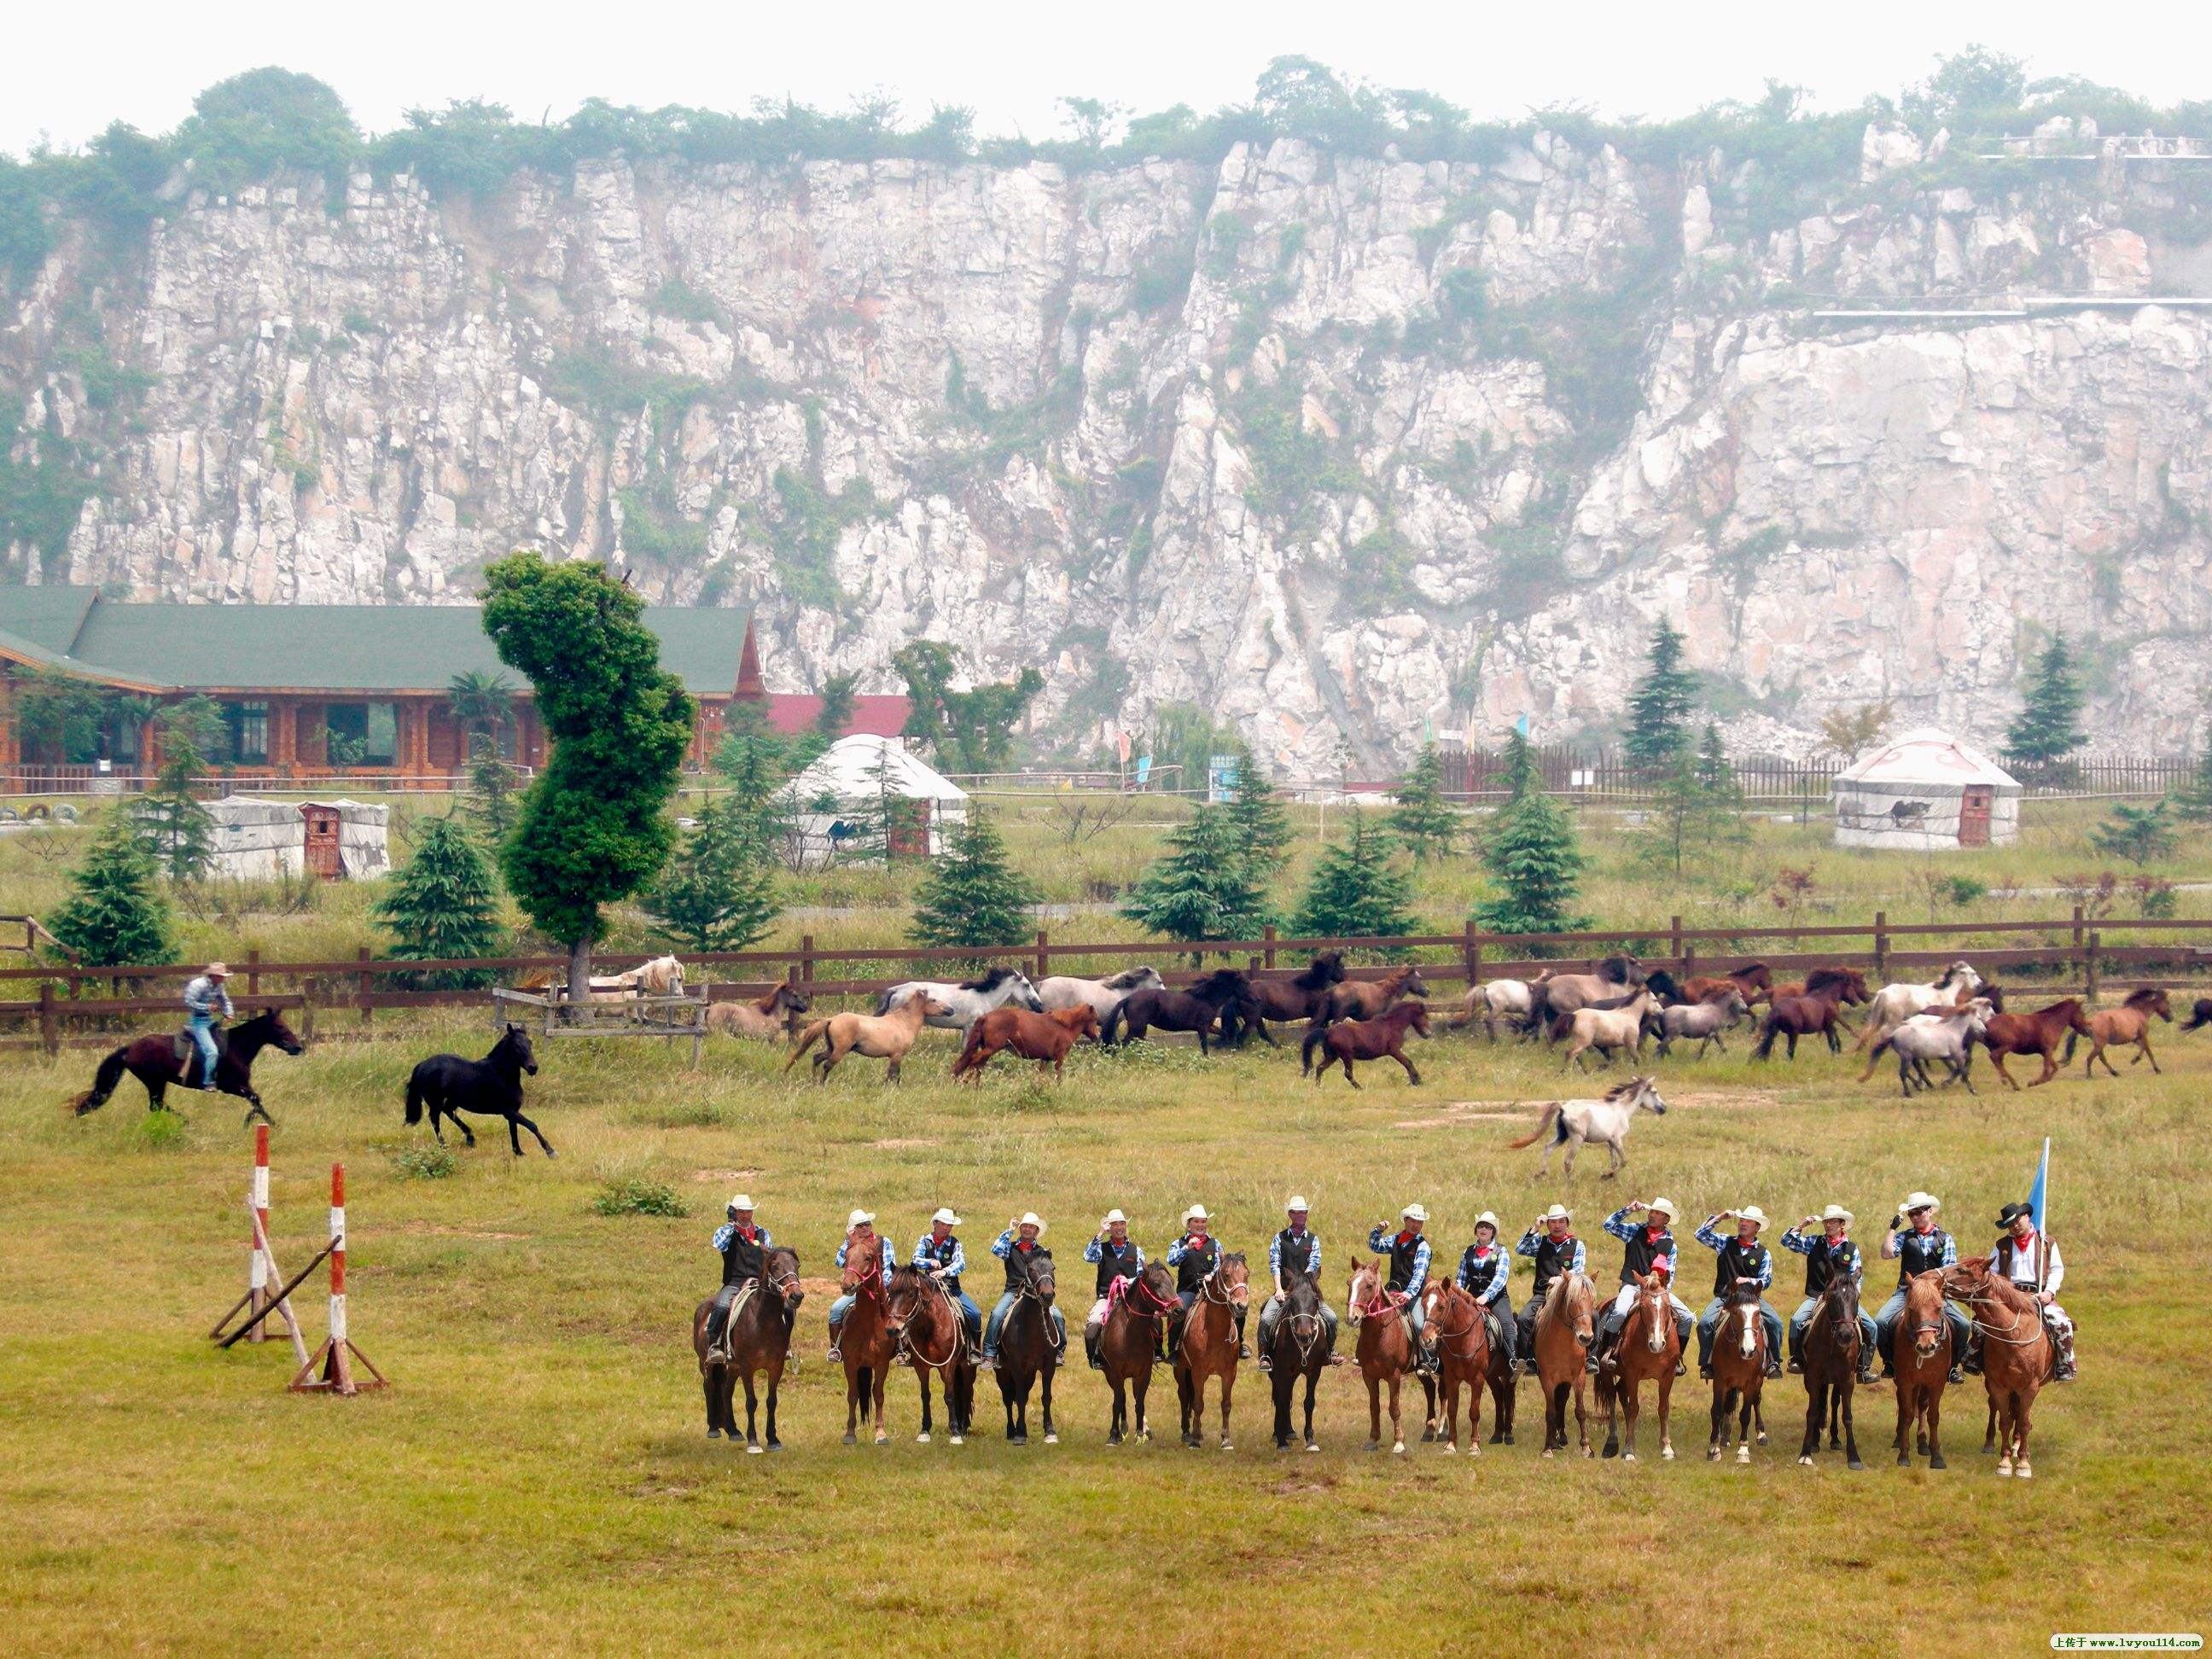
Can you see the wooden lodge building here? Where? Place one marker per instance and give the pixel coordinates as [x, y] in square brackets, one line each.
[311, 691]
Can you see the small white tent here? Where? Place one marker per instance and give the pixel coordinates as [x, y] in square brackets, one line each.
[1923, 792]
[839, 804]
[257, 838]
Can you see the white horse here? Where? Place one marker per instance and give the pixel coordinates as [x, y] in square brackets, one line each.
[663, 976]
[1099, 995]
[1606, 1121]
[967, 1001]
[1895, 1003]
[1493, 1000]
[1947, 1035]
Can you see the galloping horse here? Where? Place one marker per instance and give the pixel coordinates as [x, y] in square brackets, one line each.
[1606, 1121]
[1567, 1325]
[1455, 1330]
[1044, 1038]
[1493, 1000]
[1363, 999]
[1609, 1028]
[2038, 1034]
[2128, 1022]
[1812, 1013]
[1739, 1373]
[880, 1036]
[1382, 1037]
[1830, 1358]
[1944, 1034]
[1304, 1344]
[1753, 981]
[1385, 1353]
[1893, 1005]
[758, 1338]
[155, 1062]
[449, 1086]
[773, 1018]
[1134, 1308]
[1207, 1346]
[1224, 994]
[961, 1003]
[1299, 997]
[1065, 991]
[1923, 1369]
[2016, 1356]
[931, 1339]
[867, 1341]
[1651, 1343]
[1552, 995]
[1704, 1021]
[1029, 1342]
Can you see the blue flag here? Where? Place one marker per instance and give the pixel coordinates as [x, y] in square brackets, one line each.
[1521, 726]
[2035, 1194]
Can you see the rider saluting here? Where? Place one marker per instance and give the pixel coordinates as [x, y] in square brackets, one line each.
[2030, 1262]
[1917, 1245]
[1650, 1249]
[859, 1232]
[1116, 1257]
[1408, 1252]
[207, 999]
[1551, 1243]
[1741, 1258]
[743, 1248]
[937, 1253]
[1017, 1247]
[1825, 1255]
[1294, 1249]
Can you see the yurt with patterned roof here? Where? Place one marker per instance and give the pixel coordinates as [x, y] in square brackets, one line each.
[1926, 791]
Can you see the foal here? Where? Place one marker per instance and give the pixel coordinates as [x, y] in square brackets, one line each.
[2128, 1022]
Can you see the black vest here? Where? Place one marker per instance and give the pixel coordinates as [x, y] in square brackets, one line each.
[1739, 1260]
[1294, 1252]
[1016, 1260]
[1193, 1269]
[744, 1258]
[1825, 1262]
[1403, 1246]
[941, 1253]
[1553, 1257]
[2008, 1262]
[1479, 1275]
[1643, 1251]
[1916, 1254]
[1114, 1263]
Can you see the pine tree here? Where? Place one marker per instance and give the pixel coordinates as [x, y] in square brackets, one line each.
[2137, 834]
[973, 895]
[2193, 801]
[114, 913]
[1696, 809]
[2049, 727]
[176, 827]
[1262, 824]
[1355, 890]
[1201, 887]
[442, 903]
[718, 892]
[1422, 819]
[1659, 708]
[491, 804]
[1531, 854]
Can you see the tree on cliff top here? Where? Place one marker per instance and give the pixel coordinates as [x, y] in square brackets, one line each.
[594, 828]
[244, 129]
[2049, 727]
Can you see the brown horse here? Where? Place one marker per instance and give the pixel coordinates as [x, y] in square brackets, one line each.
[1830, 1358]
[1651, 1346]
[1298, 997]
[1305, 1346]
[1813, 1012]
[1134, 1308]
[2128, 1022]
[1207, 1346]
[1923, 1369]
[758, 1338]
[1753, 981]
[1567, 1325]
[868, 1339]
[1453, 1329]
[931, 1339]
[773, 1018]
[1363, 999]
[1044, 1038]
[2016, 1355]
[157, 1062]
[1385, 1353]
[1739, 1374]
[1850, 980]
[880, 1036]
[1380, 1038]
[2038, 1033]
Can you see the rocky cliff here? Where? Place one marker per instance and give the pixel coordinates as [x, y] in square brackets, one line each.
[1341, 448]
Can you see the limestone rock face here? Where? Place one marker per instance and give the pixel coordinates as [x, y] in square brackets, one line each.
[1342, 449]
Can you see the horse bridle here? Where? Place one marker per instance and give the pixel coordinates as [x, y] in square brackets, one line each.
[1227, 1299]
[1027, 1290]
[906, 1341]
[1161, 1308]
[1437, 1335]
[1990, 1333]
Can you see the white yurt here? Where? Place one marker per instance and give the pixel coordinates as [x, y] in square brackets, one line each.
[1926, 791]
[258, 838]
[838, 804]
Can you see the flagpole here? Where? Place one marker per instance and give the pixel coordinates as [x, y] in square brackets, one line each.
[2043, 1221]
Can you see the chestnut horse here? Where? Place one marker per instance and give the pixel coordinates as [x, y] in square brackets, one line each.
[1830, 1358]
[1739, 1373]
[774, 1019]
[1812, 1013]
[1134, 1308]
[931, 1339]
[1453, 1329]
[1923, 1369]
[1384, 1352]
[1363, 999]
[2128, 1022]
[1382, 1037]
[1305, 1346]
[1753, 981]
[867, 1341]
[758, 1338]
[1567, 1325]
[1030, 1342]
[1044, 1038]
[2016, 1355]
[2038, 1033]
[1207, 1346]
[1651, 1346]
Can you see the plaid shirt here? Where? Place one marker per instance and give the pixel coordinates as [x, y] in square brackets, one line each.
[1844, 1257]
[888, 1257]
[1717, 1240]
[204, 997]
[1536, 1236]
[728, 1231]
[1467, 1266]
[1096, 1251]
[1003, 1246]
[1181, 1247]
[1275, 1255]
[1379, 1242]
[928, 1263]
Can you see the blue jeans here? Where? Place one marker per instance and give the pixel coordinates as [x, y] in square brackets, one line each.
[1803, 1318]
[1885, 1326]
[1709, 1321]
[1005, 1305]
[971, 1316]
[838, 1310]
[203, 1030]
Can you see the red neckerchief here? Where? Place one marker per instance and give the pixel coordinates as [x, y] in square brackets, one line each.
[1407, 1238]
[2022, 1241]
[747, 1233]
[1025, 1243]
[1653, 1232]
[1482, 1250]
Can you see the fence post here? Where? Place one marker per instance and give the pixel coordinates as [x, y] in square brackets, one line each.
[1674, 943]
[806, 960]
[1470, 952]
[1881, 942]
[252, 973]
[2089, 970]
[367, 1013]
[2077, 929]
[1042, 957]
[49, 1036]
[1267, 951]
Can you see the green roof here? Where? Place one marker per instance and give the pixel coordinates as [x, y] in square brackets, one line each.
[310, 648]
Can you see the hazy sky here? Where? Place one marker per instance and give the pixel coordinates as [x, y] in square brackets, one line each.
[71, 70]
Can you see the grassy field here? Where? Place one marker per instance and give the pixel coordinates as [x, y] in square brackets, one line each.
[538, 1478]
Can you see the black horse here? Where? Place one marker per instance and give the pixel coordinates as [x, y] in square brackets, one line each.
[1028, 1349]
[158, 1061]
[1294, 998]
[1302, 1342]
[449, 1086]
[1224, 994]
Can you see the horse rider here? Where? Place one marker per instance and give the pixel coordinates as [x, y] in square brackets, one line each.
[1195, 1256]
[1827, 1253]
[1917, 1245]
[1552, 1244]
[1116, 1256]
[207, 999]
[1741, 1257]
[1017, 1247]
[1650, 1249]
[1483, 1269]
[2030, 1261]
[937, 1253]
[1408, 1252]
[859, 1231]
[1294, 1249]
[743, 1248]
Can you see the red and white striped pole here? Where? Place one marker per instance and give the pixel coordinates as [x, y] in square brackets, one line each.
[337, 1257]
[257, 1261]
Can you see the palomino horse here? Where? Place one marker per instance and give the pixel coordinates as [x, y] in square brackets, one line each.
[1363, 999]
[868, 1340]
[1382, 1037]
[2016, 1355]
[1753, 981]
[449, 1086]
[1830, 1358]
[1030, 1342]
[774, 1019]
[2128, 1022]
[880, 1036]
[758, 1338]
[1044, 1038]
[1299, 997]
[1453, 1328]
[1651, 1346]
[1207, 1346]
[1739, 1373]
[1224, 994]
[1893, 1005]
[1606, 1121]
[1567, 1325]
[961, 1003]
[1923, 1369]
[1385, 1353]
[1134, 1308]
[2038, 1034]
[1303, 1346]
[1811, 1013]
[154, 1061]
[1607, 1029]
[931, 1339]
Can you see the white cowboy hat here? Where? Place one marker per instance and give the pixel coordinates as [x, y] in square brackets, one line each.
[1196, 1212]
[860, 1218]
[1663, 1206]
[947, 1218]
[741, 1202]
[1413, 1213]
[1030, 1219]
[1558, 1213]
[1837, 1212]
[1922, 1202]
[1113, 1216]
[218, 970]
[1753, 1214]
[1297, 1203]
[1486, 1219]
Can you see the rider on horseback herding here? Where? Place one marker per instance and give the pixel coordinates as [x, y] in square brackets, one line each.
[1741, 1257]
[1552, 1244]
[2030, 1261]
[207, 999]
[1294, 1249]
[1195, 1256]
[743, 1248]
[860, 1230]
[1408, 1252]
[1917, 1245]
[1017, 1247]
[1483, 1269]
[1825, 1256]
[1650, 1249]
[1116, 1257]
[939, 1255]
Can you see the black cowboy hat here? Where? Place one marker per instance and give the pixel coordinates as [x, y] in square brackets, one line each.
[2012, 1212]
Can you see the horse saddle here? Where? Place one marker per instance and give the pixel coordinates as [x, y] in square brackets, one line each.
[186, 1048]
[1493, 1324]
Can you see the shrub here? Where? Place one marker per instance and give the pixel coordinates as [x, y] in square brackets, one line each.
[424, 1163]
[634, 1195]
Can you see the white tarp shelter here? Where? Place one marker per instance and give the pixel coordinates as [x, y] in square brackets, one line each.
[1923, 792]
[840, 802]
[258, 839]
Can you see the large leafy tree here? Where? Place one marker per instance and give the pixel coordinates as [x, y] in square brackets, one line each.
[1659, 707]
[2048, 726]
[718, 893]
[443, 903]
[973, 895]
[114, 913]
[1356, 889]
[1422, 819]
[593, 827]
[1201, 887]
[1531, 854]
[970, 731]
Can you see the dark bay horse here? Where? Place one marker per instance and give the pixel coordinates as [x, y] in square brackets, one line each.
[154, 1061]
[759, 1339]
[1224, 994]
[450, 1085]
[1382, 1037]
[1812, 1013]
[1299, 997]
[1831, 1357]
[932, 1339]
[1029, 1342]
[1129, 1343]
[1304, 1343]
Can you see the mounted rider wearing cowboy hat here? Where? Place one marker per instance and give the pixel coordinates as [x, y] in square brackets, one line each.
[1408, 1272]
[1743, 1257]
[743, 1248]
[937, 1253]
[1917, 1245]
[1294, 1249]
[1552, 1244]
[860, 1230]
[1017, 1247]
[1483, 1269]
[1650, 1250]
[1195, 1256]
[2030, 1262]
[1826, 1254]
[207, 999]
[1116, 1256]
